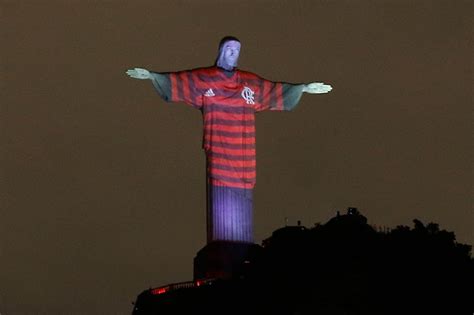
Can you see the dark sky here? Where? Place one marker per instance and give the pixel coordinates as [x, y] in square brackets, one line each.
[103, 183]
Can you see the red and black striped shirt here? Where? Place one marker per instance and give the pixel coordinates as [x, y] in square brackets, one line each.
[228, 101]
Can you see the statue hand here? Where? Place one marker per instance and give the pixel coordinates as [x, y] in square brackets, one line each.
[317, 88]
[139, 73]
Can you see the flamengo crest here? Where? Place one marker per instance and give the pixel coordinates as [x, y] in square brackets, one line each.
[247, 94]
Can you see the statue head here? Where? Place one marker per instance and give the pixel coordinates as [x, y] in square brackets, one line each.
[229, 50]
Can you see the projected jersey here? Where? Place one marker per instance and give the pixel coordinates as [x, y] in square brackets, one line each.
[228, 101]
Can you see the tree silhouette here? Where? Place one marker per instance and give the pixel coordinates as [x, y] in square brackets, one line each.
[343, 266]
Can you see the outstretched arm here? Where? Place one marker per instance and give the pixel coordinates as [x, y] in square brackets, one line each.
[172, 86]
[161, 82]
[317, 88]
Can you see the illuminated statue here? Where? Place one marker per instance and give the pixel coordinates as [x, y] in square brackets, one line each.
[228, 99]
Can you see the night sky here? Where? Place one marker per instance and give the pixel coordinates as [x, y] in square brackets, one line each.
[103, 183]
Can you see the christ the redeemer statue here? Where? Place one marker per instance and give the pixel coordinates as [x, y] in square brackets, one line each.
[228, 99]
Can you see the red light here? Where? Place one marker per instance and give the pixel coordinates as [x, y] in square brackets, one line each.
[159, 291]
[198, 283]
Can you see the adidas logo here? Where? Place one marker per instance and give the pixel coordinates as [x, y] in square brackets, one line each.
[209, 92]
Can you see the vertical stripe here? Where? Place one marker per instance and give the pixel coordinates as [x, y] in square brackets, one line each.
[180, 87]
[266, 95]
[194, 92]
[174, 91]
[185, 86]
[262, 96]
[273, 97]
[279, 96]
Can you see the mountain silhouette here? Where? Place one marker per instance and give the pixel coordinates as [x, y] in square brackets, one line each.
[344, 266]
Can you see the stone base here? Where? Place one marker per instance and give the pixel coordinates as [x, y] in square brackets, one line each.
[224, 260]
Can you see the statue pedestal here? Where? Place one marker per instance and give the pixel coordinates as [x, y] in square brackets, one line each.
[224, 259]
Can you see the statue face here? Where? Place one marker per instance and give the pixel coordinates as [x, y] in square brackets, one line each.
[229, 55]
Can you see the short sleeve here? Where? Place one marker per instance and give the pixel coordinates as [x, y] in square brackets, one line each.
[278, 96]
[179, 87]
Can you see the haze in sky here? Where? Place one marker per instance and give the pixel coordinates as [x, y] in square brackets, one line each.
[103, 183]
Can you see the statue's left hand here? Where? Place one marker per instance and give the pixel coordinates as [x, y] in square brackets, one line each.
[317, 88]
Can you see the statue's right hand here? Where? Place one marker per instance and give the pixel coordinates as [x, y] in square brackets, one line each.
[139, 73]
